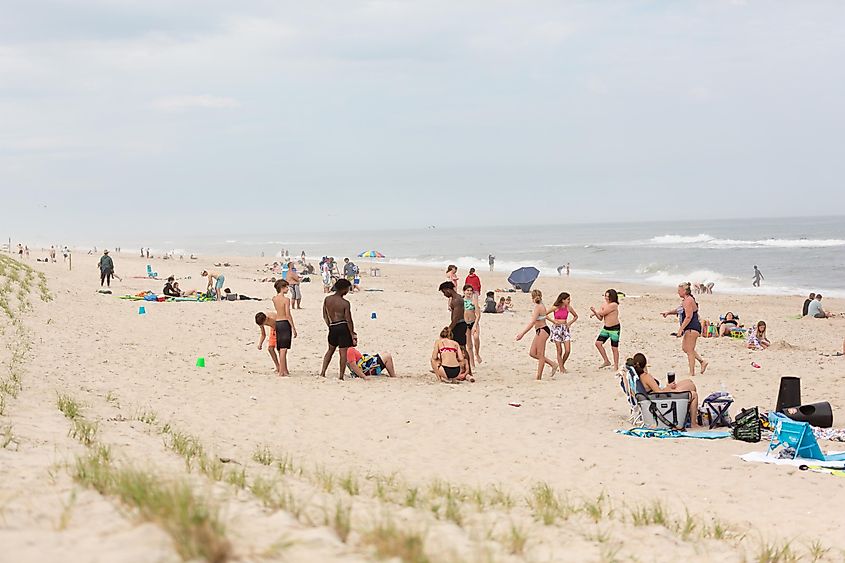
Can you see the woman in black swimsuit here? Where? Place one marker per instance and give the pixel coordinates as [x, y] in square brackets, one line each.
[541, 334]
[690, 329]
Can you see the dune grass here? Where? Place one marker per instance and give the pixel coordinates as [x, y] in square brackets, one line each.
[192, 521]
[389, 541]
[263, 455]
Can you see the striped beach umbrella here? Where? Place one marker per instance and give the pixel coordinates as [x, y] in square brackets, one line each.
[371, 254]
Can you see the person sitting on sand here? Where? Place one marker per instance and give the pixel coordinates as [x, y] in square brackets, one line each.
[447, 359]
[757, 338]
[268, 320]
[815, 308]
[608, 313]
[727, 324]
[365, 365]
[501, 306]
[807, 302]
[640, 365]
[490, 303]
[169, 290]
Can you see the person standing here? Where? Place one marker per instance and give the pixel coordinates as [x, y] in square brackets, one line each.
[561, 312]
[608, 313]
[757, 277]
[458, 325]
[295, 290]
[106, 266]
[541, 334]
[452, 275]
[472, 316]
[567, 269]
[337, 313]
[690, 329]
[215, 279]
[473, 280]
[20, 251]
[285, 329]
[490, 260]
[52, 253]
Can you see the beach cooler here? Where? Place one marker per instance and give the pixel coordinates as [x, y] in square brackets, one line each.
[664, 410]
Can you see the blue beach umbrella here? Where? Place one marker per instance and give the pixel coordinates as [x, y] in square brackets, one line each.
[523, 278]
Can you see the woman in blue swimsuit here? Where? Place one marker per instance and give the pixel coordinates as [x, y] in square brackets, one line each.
[690, 328]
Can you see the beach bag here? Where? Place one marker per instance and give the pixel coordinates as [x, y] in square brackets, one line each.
[747, 426]
[664, 410]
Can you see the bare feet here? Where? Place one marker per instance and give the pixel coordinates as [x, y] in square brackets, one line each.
[478, 359]
[604, 365]
[704, 364]
[554, 370]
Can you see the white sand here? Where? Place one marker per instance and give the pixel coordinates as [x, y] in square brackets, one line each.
[90, 345]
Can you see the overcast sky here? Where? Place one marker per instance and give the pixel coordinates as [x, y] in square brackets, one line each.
[179, 116]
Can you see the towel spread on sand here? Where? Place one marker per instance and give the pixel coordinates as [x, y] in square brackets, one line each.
[664, 433]
[761, 457]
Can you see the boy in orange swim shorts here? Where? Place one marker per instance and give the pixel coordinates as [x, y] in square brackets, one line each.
[268, 319]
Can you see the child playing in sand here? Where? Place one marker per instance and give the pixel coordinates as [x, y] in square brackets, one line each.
[285, 329]
[338, 316]
[757, 338]
[609, 314]
[268, 319]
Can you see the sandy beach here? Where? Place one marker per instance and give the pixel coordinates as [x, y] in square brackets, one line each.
[312, 469]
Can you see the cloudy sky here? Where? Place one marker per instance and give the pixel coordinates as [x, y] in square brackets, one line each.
[180, 116]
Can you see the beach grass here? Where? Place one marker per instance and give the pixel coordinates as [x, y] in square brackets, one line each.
[263, 455]
[192, 521]
[68, 405]
[388, 541]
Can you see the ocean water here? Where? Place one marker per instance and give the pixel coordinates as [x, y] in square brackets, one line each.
[795, 255]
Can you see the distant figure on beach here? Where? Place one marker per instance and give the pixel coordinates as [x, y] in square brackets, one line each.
[472, 316]
[491, 260]
[490, 303]
[567, 269]
[20, 251]
[757, 338]
[285, 329]
[608, 313]
[560, 269]
[65, 253]
[268, 320]
[757, 277]
[447, 359]
[473, 280]
[215, 280]
[561, 312]
[326, 274]
[452, 275]
[458, 325]
[541, 334]
[26, 251]
[814, 309]
[350, 270]
[294, 280]
[640, 365]
[52, 253]
[365, 365]
[148, 252]
[142, 252]
[337, 314]
[106, 266]
[807, 302]
[690, 329]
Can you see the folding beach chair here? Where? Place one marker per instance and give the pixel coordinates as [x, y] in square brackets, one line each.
[798, 436]
[630, 383]
[717, 407]
[150, 273]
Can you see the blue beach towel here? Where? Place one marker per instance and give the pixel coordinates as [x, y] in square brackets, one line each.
[664, 433]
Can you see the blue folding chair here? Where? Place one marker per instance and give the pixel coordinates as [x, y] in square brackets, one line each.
[799, 437]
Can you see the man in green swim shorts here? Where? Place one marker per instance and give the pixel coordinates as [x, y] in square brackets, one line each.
[609, 314]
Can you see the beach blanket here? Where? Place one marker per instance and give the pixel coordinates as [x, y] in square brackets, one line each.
[761, 457]
[664, 433]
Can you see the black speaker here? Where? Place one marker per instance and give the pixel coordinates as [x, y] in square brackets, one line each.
[789, 394]
[817, 414]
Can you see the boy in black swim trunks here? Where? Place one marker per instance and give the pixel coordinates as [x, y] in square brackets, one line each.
[338, 316]
[285, 329]
[458, 325]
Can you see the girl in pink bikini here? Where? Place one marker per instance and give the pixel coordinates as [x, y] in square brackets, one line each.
[563, 315]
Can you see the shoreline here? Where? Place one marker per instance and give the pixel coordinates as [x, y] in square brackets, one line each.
[642, 285]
